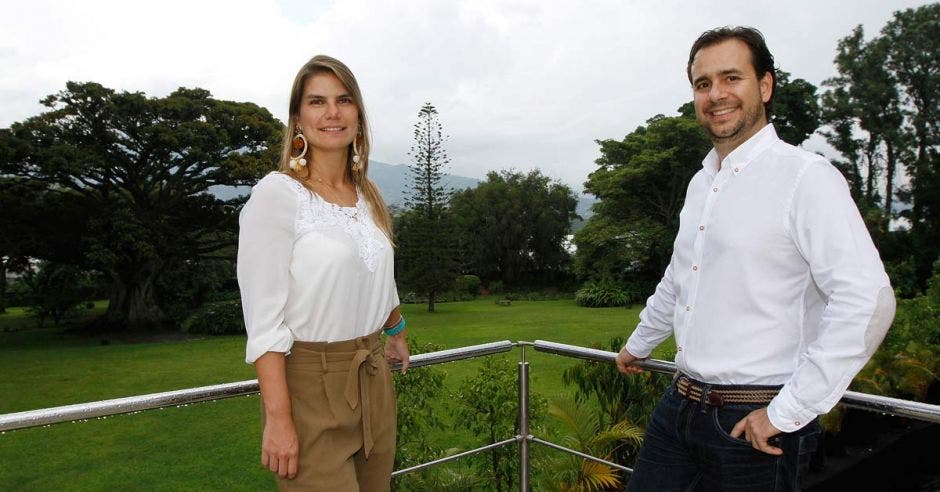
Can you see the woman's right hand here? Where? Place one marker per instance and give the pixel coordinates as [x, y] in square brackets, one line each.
[280, 447]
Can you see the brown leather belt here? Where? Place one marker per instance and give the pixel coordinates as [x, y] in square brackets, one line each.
[716, 395]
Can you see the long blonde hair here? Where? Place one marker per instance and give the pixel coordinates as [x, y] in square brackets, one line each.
[325, 64]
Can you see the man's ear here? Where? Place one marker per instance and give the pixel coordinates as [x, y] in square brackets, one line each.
[766, 86]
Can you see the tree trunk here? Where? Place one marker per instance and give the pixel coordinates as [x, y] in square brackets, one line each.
[889, 181]
[870, 179]
[132, 306]
[431, 301]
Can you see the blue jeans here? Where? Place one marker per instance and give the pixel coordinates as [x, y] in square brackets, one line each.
[688, 447]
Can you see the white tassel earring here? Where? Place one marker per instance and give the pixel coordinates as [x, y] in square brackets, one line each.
[357, 159]
[299, 143]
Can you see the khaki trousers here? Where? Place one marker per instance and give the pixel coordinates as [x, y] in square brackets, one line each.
[343, 404]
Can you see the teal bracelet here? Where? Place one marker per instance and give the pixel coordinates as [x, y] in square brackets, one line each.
[394, 330]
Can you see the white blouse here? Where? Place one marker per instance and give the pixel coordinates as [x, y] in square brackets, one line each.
[310, 270]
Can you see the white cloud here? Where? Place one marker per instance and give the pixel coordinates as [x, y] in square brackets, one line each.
[518, 84]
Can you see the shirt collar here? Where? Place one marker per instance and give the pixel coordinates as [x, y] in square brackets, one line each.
[740, 157]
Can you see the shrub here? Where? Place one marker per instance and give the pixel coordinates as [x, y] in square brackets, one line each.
[469, 284]
[602, 294]
[496, 287]
[217, 318]
[56, 291]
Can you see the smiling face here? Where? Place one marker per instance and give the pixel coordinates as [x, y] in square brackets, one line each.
[328, 115]
[729, 97]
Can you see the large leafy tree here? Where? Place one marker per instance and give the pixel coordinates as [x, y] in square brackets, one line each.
[140, 168]
[426, 258]
[913, 57]
[795, 112]
[883, 115]
[640, 184]
[514, 226]
[866, 89]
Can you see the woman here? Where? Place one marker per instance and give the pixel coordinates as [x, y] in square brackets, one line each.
[315, 268]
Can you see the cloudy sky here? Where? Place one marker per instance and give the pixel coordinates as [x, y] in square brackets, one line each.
[518, 84]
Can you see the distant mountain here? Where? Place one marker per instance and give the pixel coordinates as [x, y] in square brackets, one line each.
[393, 179]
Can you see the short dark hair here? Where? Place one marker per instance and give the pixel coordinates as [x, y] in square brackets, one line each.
[761, 58]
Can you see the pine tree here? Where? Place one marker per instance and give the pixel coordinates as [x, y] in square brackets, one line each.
[427, 257]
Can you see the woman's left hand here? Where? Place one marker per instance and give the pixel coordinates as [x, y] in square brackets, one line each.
[396, 350]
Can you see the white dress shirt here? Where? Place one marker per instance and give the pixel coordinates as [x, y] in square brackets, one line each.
[773, 280]
[310, 270]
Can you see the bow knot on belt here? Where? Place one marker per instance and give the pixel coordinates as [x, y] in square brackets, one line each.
[358, 390]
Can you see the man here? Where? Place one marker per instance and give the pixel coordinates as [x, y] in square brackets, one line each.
[775, 293]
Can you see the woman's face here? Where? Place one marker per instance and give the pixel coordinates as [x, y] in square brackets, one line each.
[328, 114]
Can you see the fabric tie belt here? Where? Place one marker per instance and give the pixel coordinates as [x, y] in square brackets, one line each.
[718, 395]
[358, 389]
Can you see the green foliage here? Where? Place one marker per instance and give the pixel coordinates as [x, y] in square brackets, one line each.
[496, 287]
[582, 430]
[913, 58]
[489, 407]
[56, 291]
[417, 421]
[188, 285]
[619, 398]
[605, 293]
[131, 175]
[640, 184]
[217, 318]
[795, 110]
[426, 259]
[469, 284]
[513, 227]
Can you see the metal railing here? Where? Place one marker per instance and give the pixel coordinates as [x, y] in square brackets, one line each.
[67, 413]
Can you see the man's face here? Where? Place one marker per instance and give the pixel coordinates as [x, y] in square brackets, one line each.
[729, 98]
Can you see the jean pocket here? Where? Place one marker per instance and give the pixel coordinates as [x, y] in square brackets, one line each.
[724, 421]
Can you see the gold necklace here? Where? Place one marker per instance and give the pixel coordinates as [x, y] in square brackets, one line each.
[333, 192]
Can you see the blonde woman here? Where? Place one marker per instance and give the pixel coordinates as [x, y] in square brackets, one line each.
[315, 269]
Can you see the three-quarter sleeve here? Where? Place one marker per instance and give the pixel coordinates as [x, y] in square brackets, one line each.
[265, 243]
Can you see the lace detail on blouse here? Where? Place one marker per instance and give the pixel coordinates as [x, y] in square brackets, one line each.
[316, 214]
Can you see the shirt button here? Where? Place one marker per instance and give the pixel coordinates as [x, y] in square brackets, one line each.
[715, 190]
[678, 349]
[737, 170]
[694, 268]
[688, 308]
[701, 228]
[796, 423]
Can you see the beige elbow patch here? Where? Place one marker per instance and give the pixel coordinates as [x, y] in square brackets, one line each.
[880, 320]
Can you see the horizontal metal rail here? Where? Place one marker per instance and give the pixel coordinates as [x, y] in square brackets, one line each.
[104, 408]
[863, 401]
[47, 416]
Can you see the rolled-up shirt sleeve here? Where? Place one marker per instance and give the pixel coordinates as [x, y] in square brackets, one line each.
[265, 242]
[829, 233]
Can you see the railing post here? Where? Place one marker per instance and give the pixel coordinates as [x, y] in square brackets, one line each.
[523, 422]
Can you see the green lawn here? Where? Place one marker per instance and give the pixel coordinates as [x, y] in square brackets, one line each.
[196, 446]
